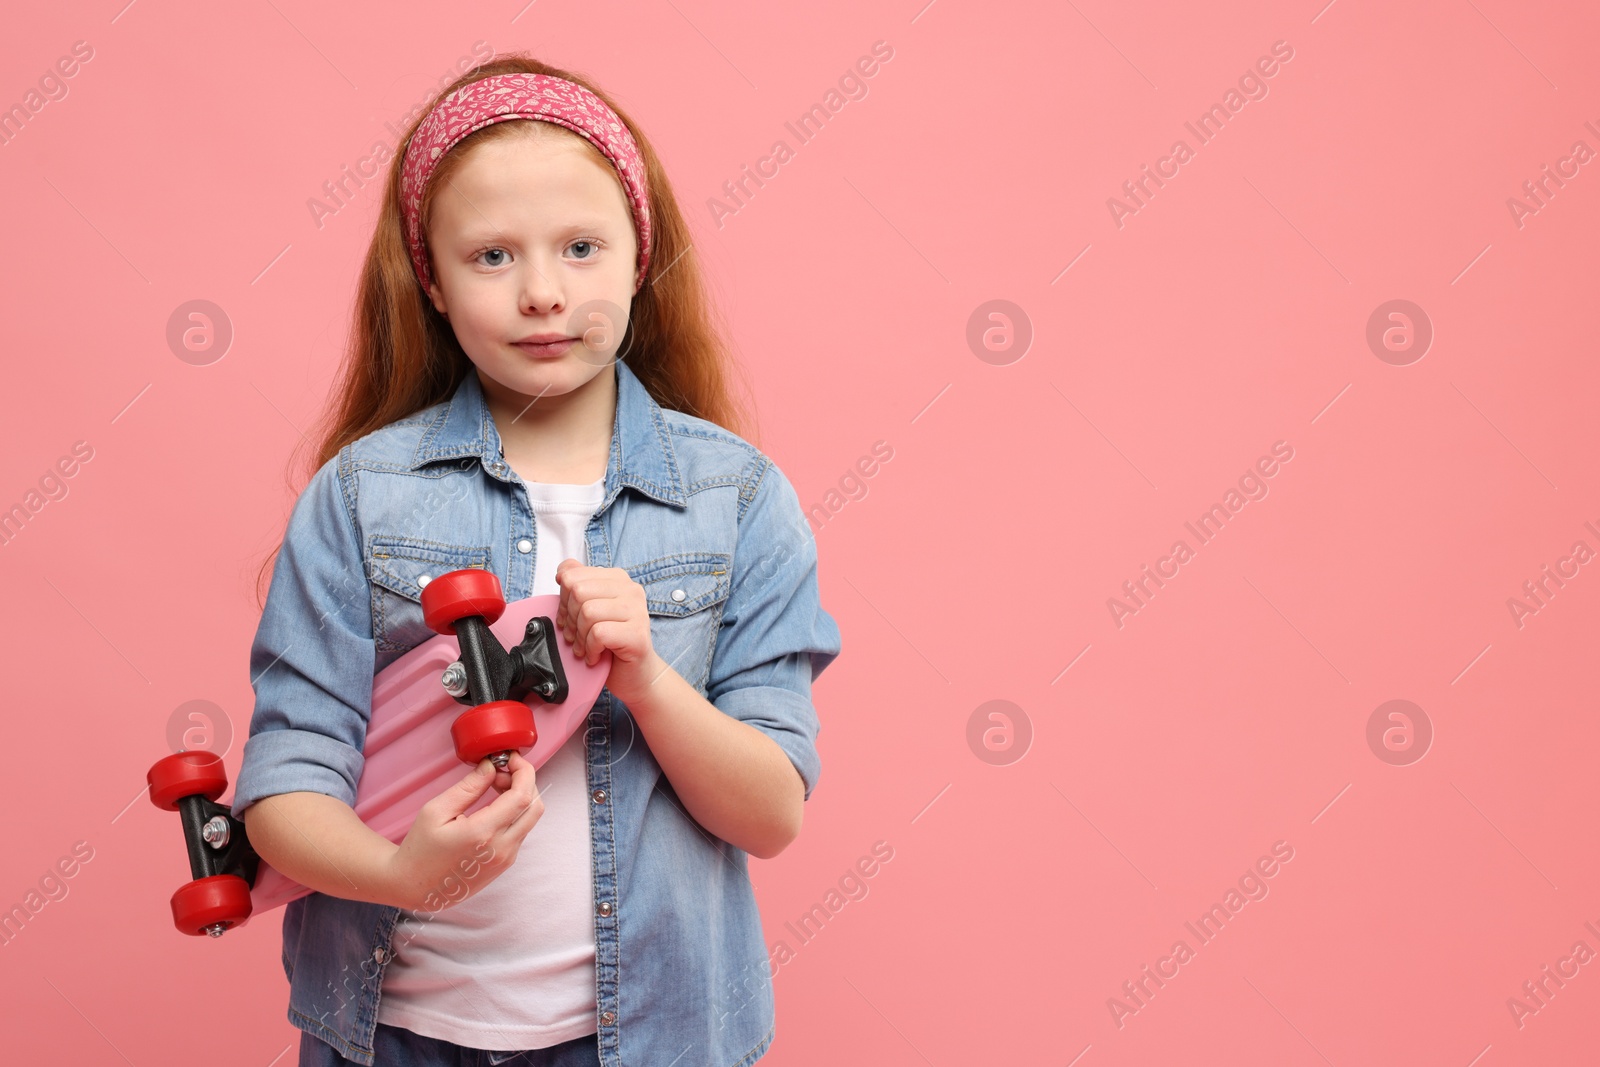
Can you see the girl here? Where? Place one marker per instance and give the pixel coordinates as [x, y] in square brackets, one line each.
[534, 388]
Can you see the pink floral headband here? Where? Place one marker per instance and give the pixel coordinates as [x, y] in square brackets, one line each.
[520, 96]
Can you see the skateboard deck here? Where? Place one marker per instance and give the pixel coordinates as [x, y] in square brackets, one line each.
[410, 756]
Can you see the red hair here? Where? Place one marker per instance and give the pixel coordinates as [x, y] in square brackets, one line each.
[403, 356]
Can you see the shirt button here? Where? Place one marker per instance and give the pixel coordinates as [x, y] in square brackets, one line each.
[605, 907]
[379, 955]
[599, 796]
[608, 1017]
[679, 595]
[524, 545]
[423, 580]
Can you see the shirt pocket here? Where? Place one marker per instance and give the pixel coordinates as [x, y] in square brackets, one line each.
[684, 594]
[398, 568]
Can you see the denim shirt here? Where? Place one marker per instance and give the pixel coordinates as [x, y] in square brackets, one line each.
[715, 534]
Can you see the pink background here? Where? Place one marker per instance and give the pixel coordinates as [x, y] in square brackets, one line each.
[1165, 756]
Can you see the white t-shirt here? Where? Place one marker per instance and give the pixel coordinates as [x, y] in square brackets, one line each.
[512, 966]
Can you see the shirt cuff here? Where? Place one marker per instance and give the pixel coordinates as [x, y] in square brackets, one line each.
[294, 761]
[783, 715]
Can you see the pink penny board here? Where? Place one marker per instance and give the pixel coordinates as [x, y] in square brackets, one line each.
[410, 756]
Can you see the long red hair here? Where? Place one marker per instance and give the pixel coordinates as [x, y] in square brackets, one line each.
[403, 356]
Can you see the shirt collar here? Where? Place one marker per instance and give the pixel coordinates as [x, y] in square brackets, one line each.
[641, 447]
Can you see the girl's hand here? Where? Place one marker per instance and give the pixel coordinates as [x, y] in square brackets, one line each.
[448, 855]
[602, 608]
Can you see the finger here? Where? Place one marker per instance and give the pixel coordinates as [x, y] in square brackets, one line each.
[584, 594]
[527, 818]
[598, 641]
[598, 585]
[524, 777]
[517, 763]
[600, 599]
[503, 809]
[596, 612]
[466, 790]
[576, 628]
[569, 572]
[522, 817]
[569, 620]
[489, 822]
[502, 776]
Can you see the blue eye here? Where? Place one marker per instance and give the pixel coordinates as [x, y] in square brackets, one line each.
[589, 244]
[491, 251]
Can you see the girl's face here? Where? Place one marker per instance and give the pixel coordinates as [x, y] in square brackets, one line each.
[532, 236]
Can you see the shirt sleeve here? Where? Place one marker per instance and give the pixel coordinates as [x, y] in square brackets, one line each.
[312, 660]
[775, 637]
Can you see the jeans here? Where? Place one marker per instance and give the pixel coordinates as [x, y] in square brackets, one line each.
[396, 1046]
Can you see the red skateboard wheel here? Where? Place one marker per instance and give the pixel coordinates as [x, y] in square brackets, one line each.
[497, 726]
[185, 774]
[222, 898]
[458, 594]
